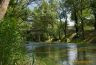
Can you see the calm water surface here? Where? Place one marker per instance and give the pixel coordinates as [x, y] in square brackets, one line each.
[62, 54]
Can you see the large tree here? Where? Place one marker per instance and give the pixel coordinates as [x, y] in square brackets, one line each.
[93, 7]
[44, 18]
[3, 7]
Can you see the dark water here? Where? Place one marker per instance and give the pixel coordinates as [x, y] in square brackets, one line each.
[63, 54]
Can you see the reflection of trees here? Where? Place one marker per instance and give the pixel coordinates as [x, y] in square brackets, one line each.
[42, 51]
[63, 54]
[82, 54]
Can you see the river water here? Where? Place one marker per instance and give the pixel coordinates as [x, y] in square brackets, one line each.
[61, 54]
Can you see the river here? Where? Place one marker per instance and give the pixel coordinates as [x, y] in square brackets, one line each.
[61, 53]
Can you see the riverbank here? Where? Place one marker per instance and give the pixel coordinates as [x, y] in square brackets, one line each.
[89, 37]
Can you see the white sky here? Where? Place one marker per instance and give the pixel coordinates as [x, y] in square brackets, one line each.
[70, 22]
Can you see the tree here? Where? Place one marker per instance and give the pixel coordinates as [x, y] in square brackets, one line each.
[82, 7]
[3, 7]
[44, 18]
[65, 11]
[73, 8]
[11, 36]
[93, 7]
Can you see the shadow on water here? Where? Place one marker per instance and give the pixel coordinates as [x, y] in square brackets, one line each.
[62, 54]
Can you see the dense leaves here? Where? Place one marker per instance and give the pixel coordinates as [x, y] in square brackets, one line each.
[11, 34]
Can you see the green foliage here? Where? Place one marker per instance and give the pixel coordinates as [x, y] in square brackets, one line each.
[47, 17]
[11, 34]
[10, 40]
[44, 18]
[46, 21]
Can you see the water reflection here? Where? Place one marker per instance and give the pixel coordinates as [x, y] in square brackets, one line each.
[72, 53]
[69, 54]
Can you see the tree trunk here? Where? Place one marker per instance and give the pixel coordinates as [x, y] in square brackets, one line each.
[59, 28]
[82, 22]
[76, 21]
[3, 7]
[76, 24]
[65, 29]
[82, 27]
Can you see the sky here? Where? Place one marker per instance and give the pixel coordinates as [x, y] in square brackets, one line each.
[32, 5]
[70, 22]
